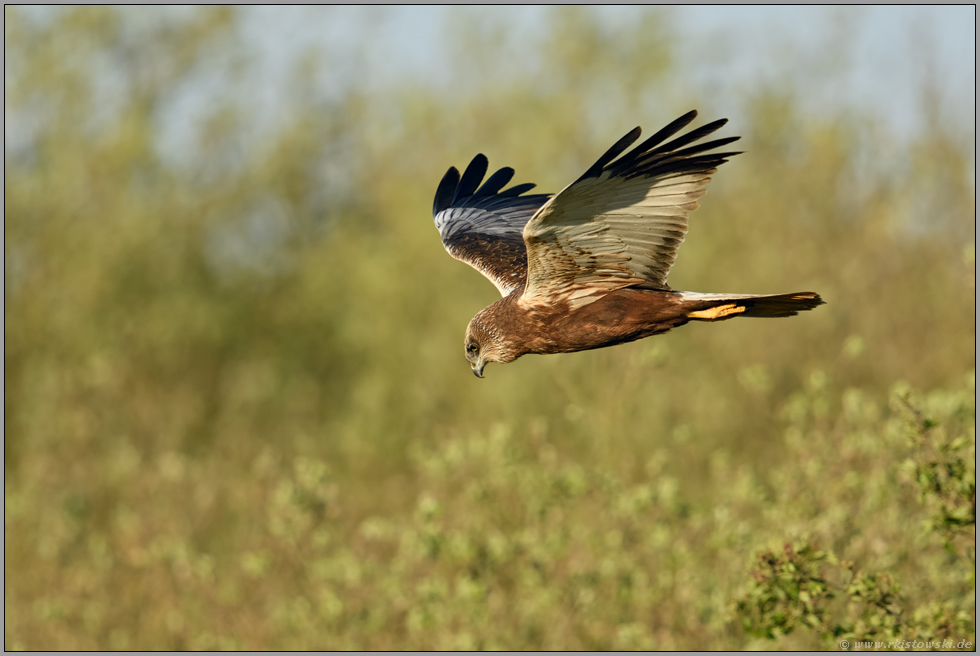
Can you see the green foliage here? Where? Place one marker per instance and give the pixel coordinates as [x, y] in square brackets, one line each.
[944, 467]
[237, 415]
[795, 589]
[789, 590]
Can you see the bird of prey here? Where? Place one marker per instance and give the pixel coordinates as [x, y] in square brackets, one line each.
[587, 267]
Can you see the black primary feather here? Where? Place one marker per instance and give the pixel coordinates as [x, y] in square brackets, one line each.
[445, 191]
[456, 192]
[517, 190]
[471, 178]
[653, 157]
[596, 169]
[495, 182]
[690, 137]
[663, 133]
[483, 225]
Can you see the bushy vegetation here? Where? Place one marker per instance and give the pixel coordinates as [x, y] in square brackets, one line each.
[797, 586]
[237, 413]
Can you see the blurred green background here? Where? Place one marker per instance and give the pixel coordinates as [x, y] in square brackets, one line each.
[236, 408]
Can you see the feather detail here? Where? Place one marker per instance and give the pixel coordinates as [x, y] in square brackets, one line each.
[635, 207]
[482, 225]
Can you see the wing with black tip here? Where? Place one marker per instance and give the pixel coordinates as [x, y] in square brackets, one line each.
[483, 225]
[620, 224]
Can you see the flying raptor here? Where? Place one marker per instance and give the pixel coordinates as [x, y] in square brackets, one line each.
[587, 267]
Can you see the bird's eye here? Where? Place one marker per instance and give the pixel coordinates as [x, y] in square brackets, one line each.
[472, 348]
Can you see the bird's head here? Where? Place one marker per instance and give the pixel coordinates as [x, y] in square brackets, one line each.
[483, 344]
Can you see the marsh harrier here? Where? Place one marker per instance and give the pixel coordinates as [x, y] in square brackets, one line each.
[587, 267]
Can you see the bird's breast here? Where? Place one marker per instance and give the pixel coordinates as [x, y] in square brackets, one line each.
[621, 316]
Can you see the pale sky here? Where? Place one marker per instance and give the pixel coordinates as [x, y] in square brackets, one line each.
[890, 49]
[883, 63]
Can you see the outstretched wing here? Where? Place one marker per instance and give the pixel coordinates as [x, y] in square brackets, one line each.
[482, 225]
[620, 224]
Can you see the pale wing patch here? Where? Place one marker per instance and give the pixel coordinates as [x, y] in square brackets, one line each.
[604, 233]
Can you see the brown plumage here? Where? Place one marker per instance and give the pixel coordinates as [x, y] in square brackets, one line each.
[587, 268]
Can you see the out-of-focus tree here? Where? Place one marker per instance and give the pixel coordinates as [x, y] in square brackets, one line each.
[236, 411]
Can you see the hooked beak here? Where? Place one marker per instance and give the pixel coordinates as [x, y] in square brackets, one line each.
[478, 369]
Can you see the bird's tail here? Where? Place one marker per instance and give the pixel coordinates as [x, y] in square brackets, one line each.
[718, 307]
